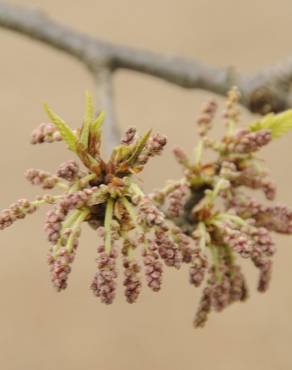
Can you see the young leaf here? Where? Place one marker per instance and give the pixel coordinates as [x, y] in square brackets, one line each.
[278, 124]
[139, 147]
[90, 162]
[120, 153]
[96, 124]
[88, 118]
[95, 133]
[89, 108]
[65, 131]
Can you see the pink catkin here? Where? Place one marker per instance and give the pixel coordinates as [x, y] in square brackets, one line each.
[238, 288]
[168, 250]
[203, 309]
[264, 266]
[249, 142]
[45, 133]
[257, 179]
[152, 266]
[198, 269]
[59, 212]
[53, 223]
[104, 282]
[181, 156]
[236, 239]
[185, 243]
[176, 201]
[205, 119]
[68, 170]
[221, 289]
[149, 214]
[42, 178]
[132, 281]
[60, 267]
[60, 259]
[129, 136]
[154, 146]
[263, 242]
[16, 211]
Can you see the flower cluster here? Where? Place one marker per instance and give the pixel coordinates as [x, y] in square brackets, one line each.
[205, 220]
[104, 195]
[219, 220]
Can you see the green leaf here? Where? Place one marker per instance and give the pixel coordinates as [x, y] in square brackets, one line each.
[278, 124]
[95, 134]
[139, 147]
[96, 124]
[89, 108]
[121, 153]
[88, 118]
[86, 158]
[65, 131]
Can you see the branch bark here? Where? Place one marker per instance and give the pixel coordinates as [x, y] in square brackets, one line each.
[262, 92]
[96, 54]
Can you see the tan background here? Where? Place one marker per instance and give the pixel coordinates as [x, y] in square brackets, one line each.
[43, 330]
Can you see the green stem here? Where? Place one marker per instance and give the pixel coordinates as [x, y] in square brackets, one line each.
[130, 209]
[40, 202]
[71, 219]
[62, 185]
[137, 190]
[85, 180]
[229, 254]
[68, 223]
[75, 228]
[107, 224]
[82, 182]
[236, 219]
[203, 231]
[133, 215]
[221, 184]
[216, 261]
[199, 152]
[130, 253]
[230, 127]
[74, 187]
[146, 244]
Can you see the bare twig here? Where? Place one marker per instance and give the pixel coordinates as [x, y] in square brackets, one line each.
[98, 54]
[268, 90]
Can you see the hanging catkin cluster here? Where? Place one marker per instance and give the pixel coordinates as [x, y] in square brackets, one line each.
[205, 220]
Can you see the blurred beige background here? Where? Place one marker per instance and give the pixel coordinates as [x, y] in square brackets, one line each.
[43, 330]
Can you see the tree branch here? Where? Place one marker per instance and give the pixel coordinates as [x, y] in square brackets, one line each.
[268, 90]
[97, 54]
[36, 25]
[105, 98]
